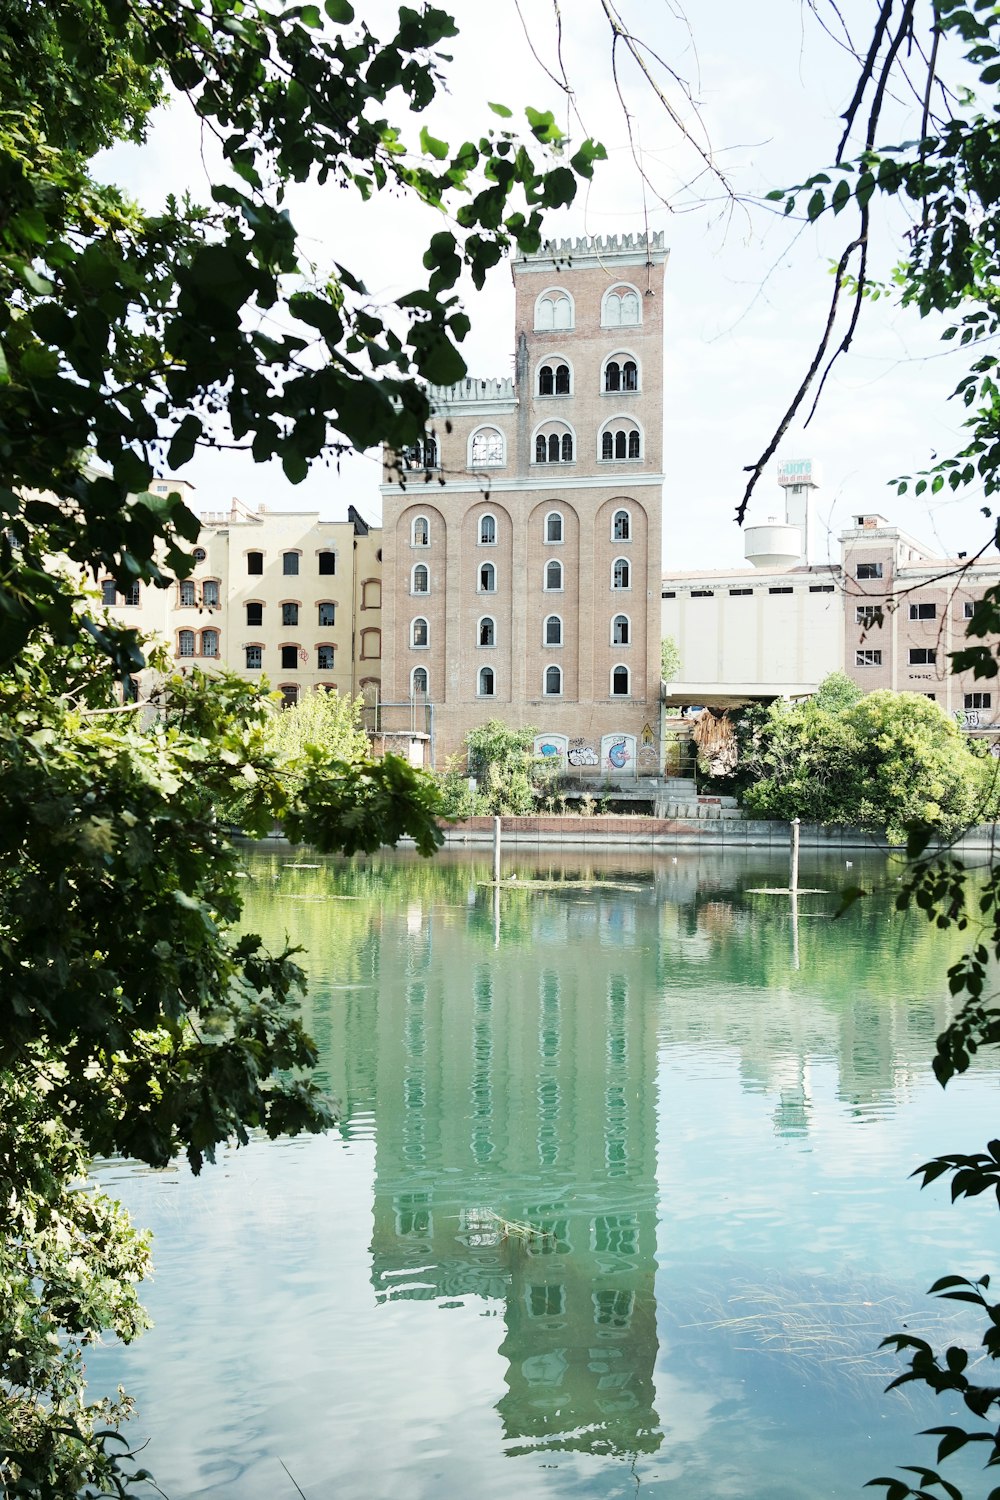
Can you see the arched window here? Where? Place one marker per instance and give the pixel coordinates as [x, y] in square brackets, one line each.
[326, 563]
[607, 446]
[487, 682]
[254, 658]
[621, 308]
[289, 694]
[553, 630]
[371, 644]
[619, 681]
[325, 656]
[487, 531]
[487, 631]
[430, 453]
[554, 526]
[326, 612]
[553, 448]
[567, 448]
[553, 577]
[553, 682]
[487, 579]
[255, 562]
[633, 445]
[620, 441]
[418, 681]
[546, 383]
[612, 376]
[188, 596]
[630, 375]
[289, 614]
[486, 450]
[210, 593]
[371, 593]
[621, 526]
[290, 564]
[420, 533]
[289, 658]
[541, 452]
[620, 575]
[554, 309]
[255, 613]
[562, 380]
[419, 579]
[553, 379]
[209, 643]
[620, 630]
[419, 632]
[185, 643]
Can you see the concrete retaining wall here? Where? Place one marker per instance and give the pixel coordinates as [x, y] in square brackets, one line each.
[610, 832]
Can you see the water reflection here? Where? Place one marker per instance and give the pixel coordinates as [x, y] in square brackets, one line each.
[624, 1183]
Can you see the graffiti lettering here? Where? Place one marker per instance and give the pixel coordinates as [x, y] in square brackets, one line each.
[583, 755]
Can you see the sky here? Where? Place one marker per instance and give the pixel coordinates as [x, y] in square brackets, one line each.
[746, 289]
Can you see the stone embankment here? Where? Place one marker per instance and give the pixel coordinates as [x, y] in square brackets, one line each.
[704, 829]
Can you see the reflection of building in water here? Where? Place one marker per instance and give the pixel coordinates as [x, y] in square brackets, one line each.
[526, 1097]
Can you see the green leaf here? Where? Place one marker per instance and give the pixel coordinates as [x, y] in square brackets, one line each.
[431, 146]
[501, 110]
[815, 205]
[340, 11]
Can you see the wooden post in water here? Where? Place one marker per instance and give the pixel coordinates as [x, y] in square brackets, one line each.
[496, 851]
[793, 878]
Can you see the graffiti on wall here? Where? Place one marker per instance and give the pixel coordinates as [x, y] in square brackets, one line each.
[551, 747]
[582, 754]
[617, 752]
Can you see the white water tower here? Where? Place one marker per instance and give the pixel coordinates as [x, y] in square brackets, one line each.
[787, 544]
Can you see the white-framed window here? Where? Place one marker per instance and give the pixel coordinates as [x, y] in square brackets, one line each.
[421, 455]
[867, 570]
[621, 573]
[553, 309]
[487, 579]
[188, 594]
[210, 593]
[621, 373]
[552, 683]
[621, 526]
[868, 615]
[554, 377]
[923, 656]
[621, 631]
[968, 609]
[621, 307]
[487, 530]
[487, 449]
[923, 611]
[619, 681]
[553, 576]
[420, 579]
[254, 658]
[209, 643]
[554, 527]
[487, 631]
[486, 683]
[185, 643]
[420, 532]
[552, 630]
[418, 682]
[621, 440]
[554, 444]
[867, 658]
[420, 634]
[978, 700]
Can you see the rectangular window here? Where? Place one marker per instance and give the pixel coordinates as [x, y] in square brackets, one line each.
[923, 611]
[254, 655]
[702, 593]
[869, 570]
[738, 593]
[920, 656]
[868, 615]
[255, 614]
[668, 594]
[327, 613]
[108, 592]
[967, 609]
[867, 658]
[782, 589]
[821, 588]
[210, 594]
[290, 564]
[289, 614]
[255, 562]
[978, 700]
[132, 595]
[324, 658]
[289, 658]
[327, 564]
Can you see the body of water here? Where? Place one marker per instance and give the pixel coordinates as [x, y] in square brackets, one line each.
[618, 1204]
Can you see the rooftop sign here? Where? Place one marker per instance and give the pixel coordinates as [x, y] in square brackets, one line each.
[798, 471]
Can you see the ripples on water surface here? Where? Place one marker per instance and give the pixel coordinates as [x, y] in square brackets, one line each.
[618, 1203]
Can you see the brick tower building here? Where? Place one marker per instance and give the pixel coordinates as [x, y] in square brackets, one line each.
[522, 541]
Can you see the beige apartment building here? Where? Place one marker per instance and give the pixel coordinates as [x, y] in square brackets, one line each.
[279, 595]
[522, 539]
[887, 613]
